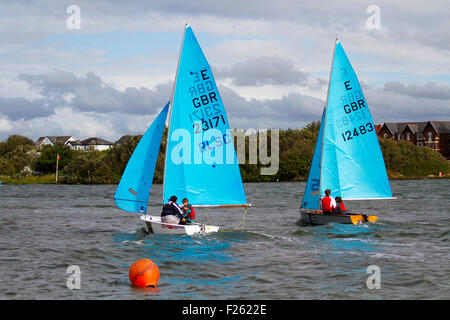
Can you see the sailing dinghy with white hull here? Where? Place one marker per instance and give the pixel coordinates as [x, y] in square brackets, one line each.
[199, 139]
[347, 158]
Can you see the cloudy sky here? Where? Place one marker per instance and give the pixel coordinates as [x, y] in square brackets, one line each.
[271, 60]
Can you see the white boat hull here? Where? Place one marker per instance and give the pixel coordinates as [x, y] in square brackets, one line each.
[154, 225]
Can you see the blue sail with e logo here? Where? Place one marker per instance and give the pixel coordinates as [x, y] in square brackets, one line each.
[352, 163]
[201, 162]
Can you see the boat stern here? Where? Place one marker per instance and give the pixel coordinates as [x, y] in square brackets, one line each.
[316, 217]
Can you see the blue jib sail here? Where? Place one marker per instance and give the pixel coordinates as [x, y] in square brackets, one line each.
[352, 162]
[134, 188]
[311, 197]
[201, 162]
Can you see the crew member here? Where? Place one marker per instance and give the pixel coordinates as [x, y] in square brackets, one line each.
[340, 207]
[171, 212]
[189, 213]
[328, 203]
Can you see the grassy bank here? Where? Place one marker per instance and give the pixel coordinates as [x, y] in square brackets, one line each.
[45, 179]
[50, 179]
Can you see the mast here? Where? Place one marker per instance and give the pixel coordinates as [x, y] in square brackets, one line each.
[324, 120]
[171, 105]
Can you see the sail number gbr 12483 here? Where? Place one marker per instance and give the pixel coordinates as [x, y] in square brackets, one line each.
[355, 132]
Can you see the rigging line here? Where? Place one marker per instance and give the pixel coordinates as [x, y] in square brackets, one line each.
[240, 223]
[207, 216]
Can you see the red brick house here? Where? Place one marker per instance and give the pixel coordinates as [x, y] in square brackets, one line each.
[434, 134]
[437, 136]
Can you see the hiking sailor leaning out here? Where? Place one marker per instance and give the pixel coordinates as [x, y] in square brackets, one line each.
[171, 212]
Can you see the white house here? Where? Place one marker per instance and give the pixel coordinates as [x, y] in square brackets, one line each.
[52, 140]
[75, 145]
[95, 144]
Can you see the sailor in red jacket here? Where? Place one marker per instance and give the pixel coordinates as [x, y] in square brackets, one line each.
[189, 213]
[328, 203]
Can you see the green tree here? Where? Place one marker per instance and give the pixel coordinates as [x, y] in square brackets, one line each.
[89, 167]
[46, 163]
[16, 153]
[402, 158]
[13, 142]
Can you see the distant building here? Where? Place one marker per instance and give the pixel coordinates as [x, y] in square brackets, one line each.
[95, 143]
[434, 134]
[75, 145]
[52, 140]
[125, 139]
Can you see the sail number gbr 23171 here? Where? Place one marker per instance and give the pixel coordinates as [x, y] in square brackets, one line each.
[355, 132]
[207, 112]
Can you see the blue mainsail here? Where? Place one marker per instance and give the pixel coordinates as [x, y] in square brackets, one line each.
[201, 162]
[352, 163]
[311, 197]
[133, 191]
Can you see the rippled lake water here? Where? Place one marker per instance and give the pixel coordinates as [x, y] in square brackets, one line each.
[46, 228]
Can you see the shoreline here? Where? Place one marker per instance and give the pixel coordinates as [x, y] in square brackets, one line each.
[51, 180]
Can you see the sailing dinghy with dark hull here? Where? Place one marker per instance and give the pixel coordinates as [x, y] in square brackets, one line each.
[347, 158]
[200, 164]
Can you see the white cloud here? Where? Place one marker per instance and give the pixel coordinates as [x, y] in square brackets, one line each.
[5, 124]
[276, 57]
[259, 71]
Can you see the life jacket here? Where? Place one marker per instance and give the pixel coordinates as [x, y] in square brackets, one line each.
[341, 207]
[191, 214]
[326, 204]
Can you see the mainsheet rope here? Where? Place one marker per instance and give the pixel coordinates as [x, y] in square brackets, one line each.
[239, 224]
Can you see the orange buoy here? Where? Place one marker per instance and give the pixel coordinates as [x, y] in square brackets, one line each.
[144, 273]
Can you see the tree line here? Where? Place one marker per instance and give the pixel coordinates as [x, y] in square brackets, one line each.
[21, 161]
